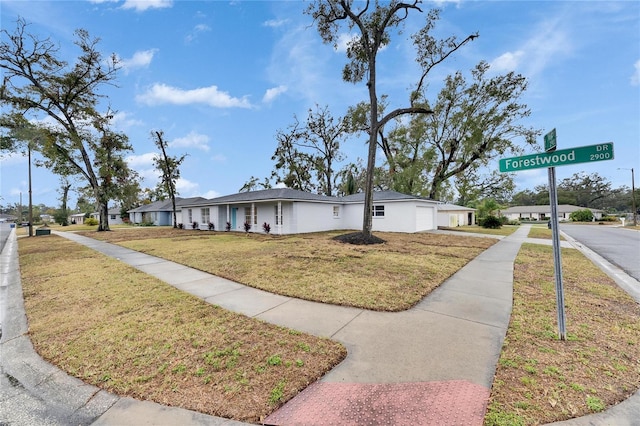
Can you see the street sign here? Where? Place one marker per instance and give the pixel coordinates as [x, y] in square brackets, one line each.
[550, 141]
[563, 157]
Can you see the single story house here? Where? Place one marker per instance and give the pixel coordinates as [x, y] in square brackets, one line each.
[160, 213]
[544, 212]
[289, 211]
[114, 216]
[76, 219]
[451, 215]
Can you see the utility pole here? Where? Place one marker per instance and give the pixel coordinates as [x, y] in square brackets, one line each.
[634, 206]
[30, 201]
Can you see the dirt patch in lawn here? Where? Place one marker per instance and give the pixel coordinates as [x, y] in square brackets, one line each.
[391, 276]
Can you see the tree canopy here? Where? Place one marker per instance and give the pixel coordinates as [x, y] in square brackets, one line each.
[61, 102]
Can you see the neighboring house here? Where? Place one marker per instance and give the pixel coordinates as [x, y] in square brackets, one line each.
[159, 213]
[76, 218]
[289, 211]
[114, 216]
[451, 215]
[46, 218]
[544, 212]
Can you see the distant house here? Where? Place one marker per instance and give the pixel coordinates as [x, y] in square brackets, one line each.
[114, 216]
[289, 211]
[46, 218]
[544, 212]
[451, 215]
[159, 213]
[76, 219]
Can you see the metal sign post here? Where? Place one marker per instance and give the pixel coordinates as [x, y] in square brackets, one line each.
[557, 254]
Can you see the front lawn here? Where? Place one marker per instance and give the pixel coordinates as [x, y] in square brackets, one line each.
[392, 276]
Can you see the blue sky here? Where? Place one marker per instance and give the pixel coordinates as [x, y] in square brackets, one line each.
[221, 77]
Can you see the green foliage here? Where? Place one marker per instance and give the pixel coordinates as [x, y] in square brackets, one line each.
[277, 393]
[61, 217]
[91, 221]
[595, 404]
[491, 222]
[581, 216]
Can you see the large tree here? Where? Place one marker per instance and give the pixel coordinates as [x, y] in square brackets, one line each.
[373, 24]
[308, 149]
[473, 122]
[39, 85]
[169, 168]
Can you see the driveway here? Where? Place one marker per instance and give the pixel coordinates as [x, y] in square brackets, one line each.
[618, 245]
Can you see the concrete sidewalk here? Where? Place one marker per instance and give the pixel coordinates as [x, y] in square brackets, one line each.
[433, 364]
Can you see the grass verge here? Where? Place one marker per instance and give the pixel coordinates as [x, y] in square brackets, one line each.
[392, 276]
[503, 231]
[128, 333]
[540, 379]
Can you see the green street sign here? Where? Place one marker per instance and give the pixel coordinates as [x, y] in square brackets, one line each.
[550, 141]
[563, 157]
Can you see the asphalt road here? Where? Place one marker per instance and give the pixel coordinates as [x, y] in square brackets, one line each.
[619, 246]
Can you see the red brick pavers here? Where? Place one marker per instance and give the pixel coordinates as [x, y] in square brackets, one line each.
[445, 403]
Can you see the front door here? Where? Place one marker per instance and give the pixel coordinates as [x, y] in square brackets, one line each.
[233, 217]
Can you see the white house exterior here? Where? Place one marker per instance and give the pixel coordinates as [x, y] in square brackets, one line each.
[452, 216]
[289, 211]
[544, 212]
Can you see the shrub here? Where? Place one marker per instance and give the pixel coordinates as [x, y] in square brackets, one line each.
[194, 225]
[227, 227]
[581, 216]
[247, 227]
[91, 221]
[266, 227]
[492, 222]
[180, 226]
[212, 227]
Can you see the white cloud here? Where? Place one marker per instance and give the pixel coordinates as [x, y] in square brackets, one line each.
[192, 140]
[140, 59]
[273, 93]
[635, 77]
[141, 160]
[142, 5]
[197, 30]
[184, 186]
[219, 158]
[163, 94]
[211, 194]
[507, 61]
[549, 42]
[123, 120]
[274, 23]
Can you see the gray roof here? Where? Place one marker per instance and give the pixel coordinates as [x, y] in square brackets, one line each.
[562, 208]
[382, 196]
[266, 195]
[288, 194]
[452, 207]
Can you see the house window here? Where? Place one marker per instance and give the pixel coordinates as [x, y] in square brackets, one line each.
[247, 215]
[278, 216]
[336, 212]
[204, 214]
[190, 215]
[112, 217]
[378, 211]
